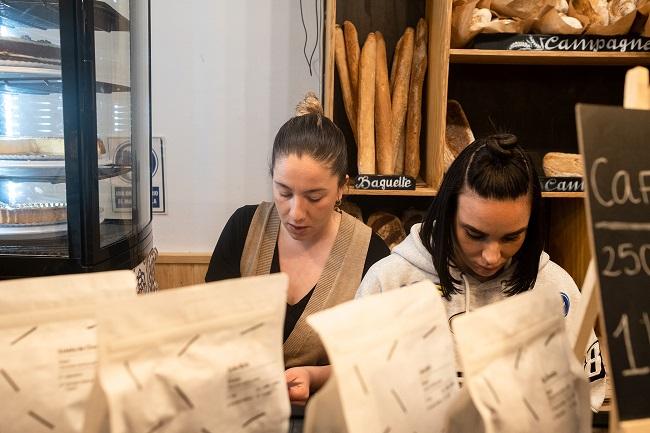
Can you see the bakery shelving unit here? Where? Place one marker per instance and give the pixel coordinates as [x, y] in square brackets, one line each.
[102, 79]
[531, 93]
[534, 94]
[391, 17]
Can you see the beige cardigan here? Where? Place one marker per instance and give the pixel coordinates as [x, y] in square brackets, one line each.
[338, 282]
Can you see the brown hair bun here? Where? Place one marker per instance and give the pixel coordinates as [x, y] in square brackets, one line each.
[309, 105]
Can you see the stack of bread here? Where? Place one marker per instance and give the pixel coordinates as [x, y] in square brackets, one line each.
[384, 111]
[392, 229]
[563, 17]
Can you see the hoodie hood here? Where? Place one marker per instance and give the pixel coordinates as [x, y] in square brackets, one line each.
[415, 253]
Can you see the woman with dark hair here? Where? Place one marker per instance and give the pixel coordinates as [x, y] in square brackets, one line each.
[481, 241]
[324, 251]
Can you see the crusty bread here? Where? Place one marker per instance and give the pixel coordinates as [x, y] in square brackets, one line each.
[366, 107]
[401, 145]
[388, 227]
[414, 110]
[352, 209]
[410, 217]
[383, 131]
[594, 10]
[458, 134]
[393, 68]
[344, 78]
[353, 53]
[619, 8]
[557, 164]
[399, 102]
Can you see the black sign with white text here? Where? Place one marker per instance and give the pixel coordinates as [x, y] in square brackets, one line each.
[383, 182]
[615, 143]
[561, 184]
[524, 42]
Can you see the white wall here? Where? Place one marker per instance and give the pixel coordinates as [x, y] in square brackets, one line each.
[225, 76]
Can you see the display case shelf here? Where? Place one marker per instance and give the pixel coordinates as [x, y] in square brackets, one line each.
[50, 170]
[40, 79]
[515, 57]
[44, 14]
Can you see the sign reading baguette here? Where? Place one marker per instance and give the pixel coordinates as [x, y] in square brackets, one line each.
[614, 142]
[379, 182]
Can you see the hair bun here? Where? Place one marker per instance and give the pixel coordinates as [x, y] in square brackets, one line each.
[309, 105]
[501, 144]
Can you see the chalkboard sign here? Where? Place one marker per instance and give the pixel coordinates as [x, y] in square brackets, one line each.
[615, 143]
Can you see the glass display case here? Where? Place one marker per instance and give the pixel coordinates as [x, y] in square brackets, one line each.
[75, 136]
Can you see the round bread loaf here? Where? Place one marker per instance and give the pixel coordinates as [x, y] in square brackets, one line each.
[388, 227]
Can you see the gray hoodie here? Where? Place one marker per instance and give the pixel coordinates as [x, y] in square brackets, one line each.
[410, 262]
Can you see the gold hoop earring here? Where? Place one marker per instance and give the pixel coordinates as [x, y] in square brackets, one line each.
[337, 205]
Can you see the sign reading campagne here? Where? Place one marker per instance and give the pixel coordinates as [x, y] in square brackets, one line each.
[517, 42]
[561, 184]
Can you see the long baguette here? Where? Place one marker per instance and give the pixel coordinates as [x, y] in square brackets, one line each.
[393, 68]
[383, 131]
[400, 92]
[401, 143]
[414, 116]
[353, 52]
[344, 78]
[366, 107]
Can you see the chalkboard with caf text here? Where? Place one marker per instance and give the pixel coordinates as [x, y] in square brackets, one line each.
[615, 143]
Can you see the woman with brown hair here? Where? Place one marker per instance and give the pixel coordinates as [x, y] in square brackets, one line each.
[324, 251]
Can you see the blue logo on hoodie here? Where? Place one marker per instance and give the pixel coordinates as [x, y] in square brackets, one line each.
[566, 302]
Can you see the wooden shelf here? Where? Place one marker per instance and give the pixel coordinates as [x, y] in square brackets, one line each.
[417, 192]
[431, 192]
[563, 194]
[511, 57]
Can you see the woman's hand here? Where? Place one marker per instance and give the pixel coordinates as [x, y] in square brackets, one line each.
[298, 382]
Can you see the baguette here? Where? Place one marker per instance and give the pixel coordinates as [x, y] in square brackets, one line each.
[393, 68]
[401, 143]
[353, 53]
[366, 107]
[414, 114]
[344, 78]
[400, 93]
[383, 131]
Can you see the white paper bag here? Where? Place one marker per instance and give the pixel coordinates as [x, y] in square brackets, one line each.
[48, 342]
[519, 367]
[206, 358]
[392, 361]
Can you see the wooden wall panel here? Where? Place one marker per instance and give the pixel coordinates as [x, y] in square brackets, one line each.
[179, 269]
[568, 241]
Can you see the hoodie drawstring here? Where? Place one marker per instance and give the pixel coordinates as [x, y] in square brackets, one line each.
[462, 275]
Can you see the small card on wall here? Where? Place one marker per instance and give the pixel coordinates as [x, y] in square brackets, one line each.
[384, 182]
[117, 201]
[158, 175]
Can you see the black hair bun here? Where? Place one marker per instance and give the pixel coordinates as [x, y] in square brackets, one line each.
[501, 144]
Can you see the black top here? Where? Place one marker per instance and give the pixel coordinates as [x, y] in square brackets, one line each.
[227, 254]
